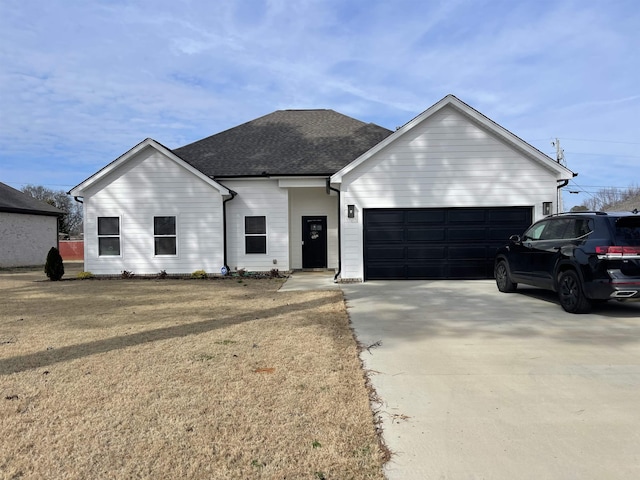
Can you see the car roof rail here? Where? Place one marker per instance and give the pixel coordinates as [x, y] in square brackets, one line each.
[591, 212]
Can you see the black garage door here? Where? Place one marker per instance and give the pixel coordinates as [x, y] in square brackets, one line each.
[452, 243]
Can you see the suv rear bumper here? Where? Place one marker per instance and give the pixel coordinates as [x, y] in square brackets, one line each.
[618, 286]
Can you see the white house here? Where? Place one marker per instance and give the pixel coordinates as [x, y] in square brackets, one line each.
[302, 189]
[28, 228]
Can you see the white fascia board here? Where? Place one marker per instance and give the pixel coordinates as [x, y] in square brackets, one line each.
[78, 190]
[286, 182]
[563, 172]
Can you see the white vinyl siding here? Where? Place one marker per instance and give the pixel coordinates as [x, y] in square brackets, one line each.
[149, 185]
[260, 197]
[446, 161]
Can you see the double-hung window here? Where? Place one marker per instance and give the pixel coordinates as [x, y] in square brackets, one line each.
[164, 235]
[108, 236]
[255, 234]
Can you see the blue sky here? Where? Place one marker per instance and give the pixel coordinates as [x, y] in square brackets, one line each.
[83, 81]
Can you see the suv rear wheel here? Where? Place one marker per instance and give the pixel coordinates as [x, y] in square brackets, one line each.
[503, 281]
[571, 294]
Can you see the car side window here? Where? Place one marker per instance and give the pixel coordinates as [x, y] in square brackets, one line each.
[535, 231]
[555, 229]
[578, 228]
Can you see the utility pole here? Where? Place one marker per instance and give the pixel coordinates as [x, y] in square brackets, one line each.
[560, 159]
[559, 152]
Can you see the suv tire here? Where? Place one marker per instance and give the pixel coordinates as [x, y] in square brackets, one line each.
[571, 294]
[503, 281]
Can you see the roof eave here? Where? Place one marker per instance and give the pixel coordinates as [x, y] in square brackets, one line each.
[32, 212]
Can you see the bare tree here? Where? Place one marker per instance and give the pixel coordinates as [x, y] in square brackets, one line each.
[71, 223]
[609, 198]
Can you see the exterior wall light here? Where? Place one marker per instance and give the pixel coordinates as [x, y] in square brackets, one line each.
[351, 211]
[546, 208]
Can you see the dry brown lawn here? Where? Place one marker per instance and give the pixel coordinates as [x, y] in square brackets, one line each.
[180, 379]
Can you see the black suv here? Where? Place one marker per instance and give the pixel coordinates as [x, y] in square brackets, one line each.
[587, 257]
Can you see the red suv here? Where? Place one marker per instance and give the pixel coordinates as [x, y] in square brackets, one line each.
[586, 257]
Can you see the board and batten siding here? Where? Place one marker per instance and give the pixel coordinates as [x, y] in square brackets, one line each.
[446, 161]
[311, 202]
[25, 239]
[148, 185]
[259, 197]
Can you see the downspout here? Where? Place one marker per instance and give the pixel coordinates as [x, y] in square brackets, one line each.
[558, 194]
[224, 227]
[329, 188]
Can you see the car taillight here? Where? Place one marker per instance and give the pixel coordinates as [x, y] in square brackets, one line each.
[618, 251]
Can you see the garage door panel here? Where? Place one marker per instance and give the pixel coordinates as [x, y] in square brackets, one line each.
[425, 234]
[426, 252]
[388, 252]
[426, 217]
[466, 215]
[385, 218]
[510, 216]
[394, 234]
[453, 243]
[471, 234]
[467, 252]
[390, 271]
[426, 271]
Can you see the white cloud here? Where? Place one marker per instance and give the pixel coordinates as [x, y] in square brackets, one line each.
[81, 82]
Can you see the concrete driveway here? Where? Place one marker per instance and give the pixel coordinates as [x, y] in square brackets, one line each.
[477, 384]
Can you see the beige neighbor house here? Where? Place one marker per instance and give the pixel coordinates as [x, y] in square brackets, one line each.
[28, 228]
[314, 189]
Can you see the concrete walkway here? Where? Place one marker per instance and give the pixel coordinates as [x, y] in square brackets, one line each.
[310, 281]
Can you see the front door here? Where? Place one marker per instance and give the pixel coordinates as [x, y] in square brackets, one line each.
[314, 242]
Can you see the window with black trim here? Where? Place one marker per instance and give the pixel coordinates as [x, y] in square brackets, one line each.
[164, 235]
[108, 236]
[255, 234]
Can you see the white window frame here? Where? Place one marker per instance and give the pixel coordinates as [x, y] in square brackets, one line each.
[119, 236]
[265, 234]
[175, 236]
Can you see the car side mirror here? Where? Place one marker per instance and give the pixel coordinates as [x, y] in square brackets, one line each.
[515, 239]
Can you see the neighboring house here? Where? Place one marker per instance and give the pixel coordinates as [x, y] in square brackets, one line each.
[302, 189]
[28, 228]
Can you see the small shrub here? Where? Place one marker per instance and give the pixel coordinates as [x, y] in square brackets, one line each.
[274, 273]
[53, 267]
[241, 272]
[199, 274]
[84, 275]
[162, 274]
[127, 274]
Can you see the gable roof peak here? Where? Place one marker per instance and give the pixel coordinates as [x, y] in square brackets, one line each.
[476, 117]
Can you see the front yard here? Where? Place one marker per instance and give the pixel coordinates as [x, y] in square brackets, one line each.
[179, 379]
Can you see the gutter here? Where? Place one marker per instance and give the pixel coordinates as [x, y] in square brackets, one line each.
[329, 189]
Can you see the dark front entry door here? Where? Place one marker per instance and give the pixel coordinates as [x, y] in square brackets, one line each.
[314, 242]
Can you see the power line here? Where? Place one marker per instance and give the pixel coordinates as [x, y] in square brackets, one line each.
[604, 154]
[601, 141]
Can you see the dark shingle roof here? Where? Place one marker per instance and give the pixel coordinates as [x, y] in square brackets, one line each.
[14, 201]
[285, 142]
